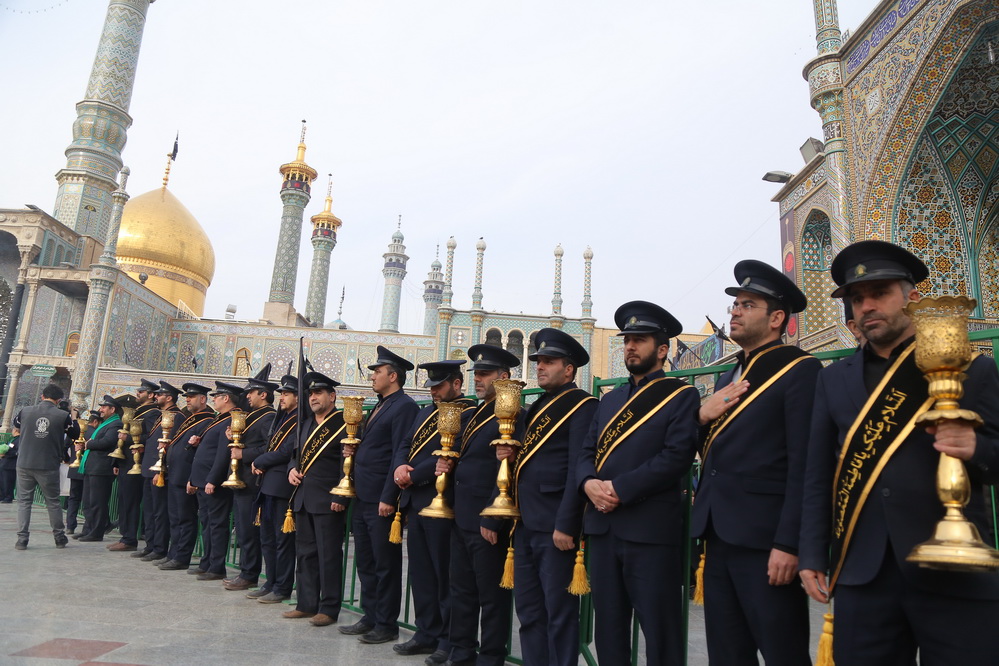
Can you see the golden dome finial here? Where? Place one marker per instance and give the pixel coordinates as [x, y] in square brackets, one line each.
[329, 195]
[298, 169]
[326, 219]
[171, 156]
[300, 157]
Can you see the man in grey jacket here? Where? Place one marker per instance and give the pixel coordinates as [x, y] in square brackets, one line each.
[44, 428]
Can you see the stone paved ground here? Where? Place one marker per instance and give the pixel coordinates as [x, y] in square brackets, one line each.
[84, 605]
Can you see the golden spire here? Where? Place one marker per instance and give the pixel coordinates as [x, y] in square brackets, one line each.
[166, 172]
[299, 170]
[326, 219]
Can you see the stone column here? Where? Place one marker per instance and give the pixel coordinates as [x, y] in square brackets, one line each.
[14, 371]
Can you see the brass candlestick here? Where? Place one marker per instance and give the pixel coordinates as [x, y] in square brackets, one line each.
[81, 441]
[507, 407]
[448, 425]
[237, 426]
[135, 429]
[126, 420]
[943, 353]
[166, 425]
[353, 413]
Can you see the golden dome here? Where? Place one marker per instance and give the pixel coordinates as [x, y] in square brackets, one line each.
[160, 237]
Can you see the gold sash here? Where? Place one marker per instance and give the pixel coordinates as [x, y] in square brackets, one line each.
[485, 413]
[318, 440]
[546, 422]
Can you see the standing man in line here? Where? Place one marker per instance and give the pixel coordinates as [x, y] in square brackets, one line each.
[428, 539]
[632, 468]
[74, 501]
[207, 476]
[134, 500]
[182, 503]
[478, 544]
[43, 429]
[868, 456]
[748, 506]
[156, 510]
[551, 508]
[379, 562]
[271, 467]
[97, 468]
[315, 469]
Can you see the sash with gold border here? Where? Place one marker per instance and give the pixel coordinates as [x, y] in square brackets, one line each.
[485, 413]
[281, 434]
[256, 415]
[191, 421]
[546, 422]
[319, 439]
[886, 420]
[763, 371]
[428, 429]
[640, 408]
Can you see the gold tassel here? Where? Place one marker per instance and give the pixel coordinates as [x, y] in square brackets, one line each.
[158, 480]
[825, 654]
[256, 521]
[395, 533]
[699, 583]
[289, 522]
[580, 584]
[507, 581]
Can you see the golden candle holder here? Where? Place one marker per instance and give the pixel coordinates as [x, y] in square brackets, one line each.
[135, 428]
[166, 425]
[943, 353]
[507, 407]
[353, 413]
[237, 426]
[126, 420]
[81, 441]
[448, 425]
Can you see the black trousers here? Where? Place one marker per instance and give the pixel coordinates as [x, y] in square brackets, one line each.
[428, 542]
[886, 621]
[644, 578]
[319, 545]
[476, 570]
[276, 547]
[744, 613]
[247, 534]
[155, 506]
[215, 538]
[182, 510]
[130, 487]
[379, 566]
[8, 480]
[548, 614]
[96, 495]
[73, 503]
[206, 544]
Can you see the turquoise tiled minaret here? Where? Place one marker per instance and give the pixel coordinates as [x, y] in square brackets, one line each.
[478, 314]
[93, 159]
[296, 190]
[445, 312]
[394, 271]
[433, 295]
[586, 320]
[324, 228]
[556, 319]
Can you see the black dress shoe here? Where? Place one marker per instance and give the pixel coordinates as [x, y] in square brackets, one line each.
[141, 553]
[357, 629]
[79, 536]
[61, 542]
[22, 544]
[90, 538]
[412, 646]
[172, 565]
[438, 657]
[152, 556]
[196, 571]
[376, 636]
[162, 560]
[211, 576]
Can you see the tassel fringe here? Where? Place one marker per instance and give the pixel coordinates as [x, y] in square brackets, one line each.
[289, 522]
[507, 581]
[699, 583]
[256, 519]
[158, 480]
[580, 584]
[395, 533]
[825, 654]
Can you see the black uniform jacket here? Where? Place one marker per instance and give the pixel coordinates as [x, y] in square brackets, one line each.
[902, 507]
[204, 468]
[149, 414]
[275, 462]
[752, 480]
[386, 426]
[313, 494]
[647, 469]
[99, 462]
[254, 441]
[180, 453]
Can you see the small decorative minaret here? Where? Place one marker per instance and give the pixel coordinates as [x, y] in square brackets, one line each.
[324, 228]
[433, 295]
[445, 311]
[556, 319]
[477, 314]
[84, 200]
[395, 272]
[587, 319]
[296, 190]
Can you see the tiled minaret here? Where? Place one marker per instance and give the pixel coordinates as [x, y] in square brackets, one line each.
[296, 190]
[324, 228]
[394, 271]
[445, 311]
[587, 320]
[93, 159]
[478, 314]
[557, 319]
[433, 295]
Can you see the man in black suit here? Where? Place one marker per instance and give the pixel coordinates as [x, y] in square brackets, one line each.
[428, 541]
[870, 483]
[551, 508]
[208, 472]
[315, 469]
[271, 467]
[182, 501]
[632, 468]
[479, 544]
[136, 516]
[98, 470]
[259, 395]
[156, 510]
[379, 561]
[74, 502]
[748, 505]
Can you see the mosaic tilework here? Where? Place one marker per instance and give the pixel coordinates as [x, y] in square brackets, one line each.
[988, 272]
[279, 355]
[816, 258]
[328, 361]
[289, 240]
[213, 357]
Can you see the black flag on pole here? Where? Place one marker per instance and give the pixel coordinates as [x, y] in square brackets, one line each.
[176, 141]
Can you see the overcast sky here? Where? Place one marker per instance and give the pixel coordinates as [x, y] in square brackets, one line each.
[640, 128]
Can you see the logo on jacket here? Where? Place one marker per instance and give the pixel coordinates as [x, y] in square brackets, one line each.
[42, 427]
